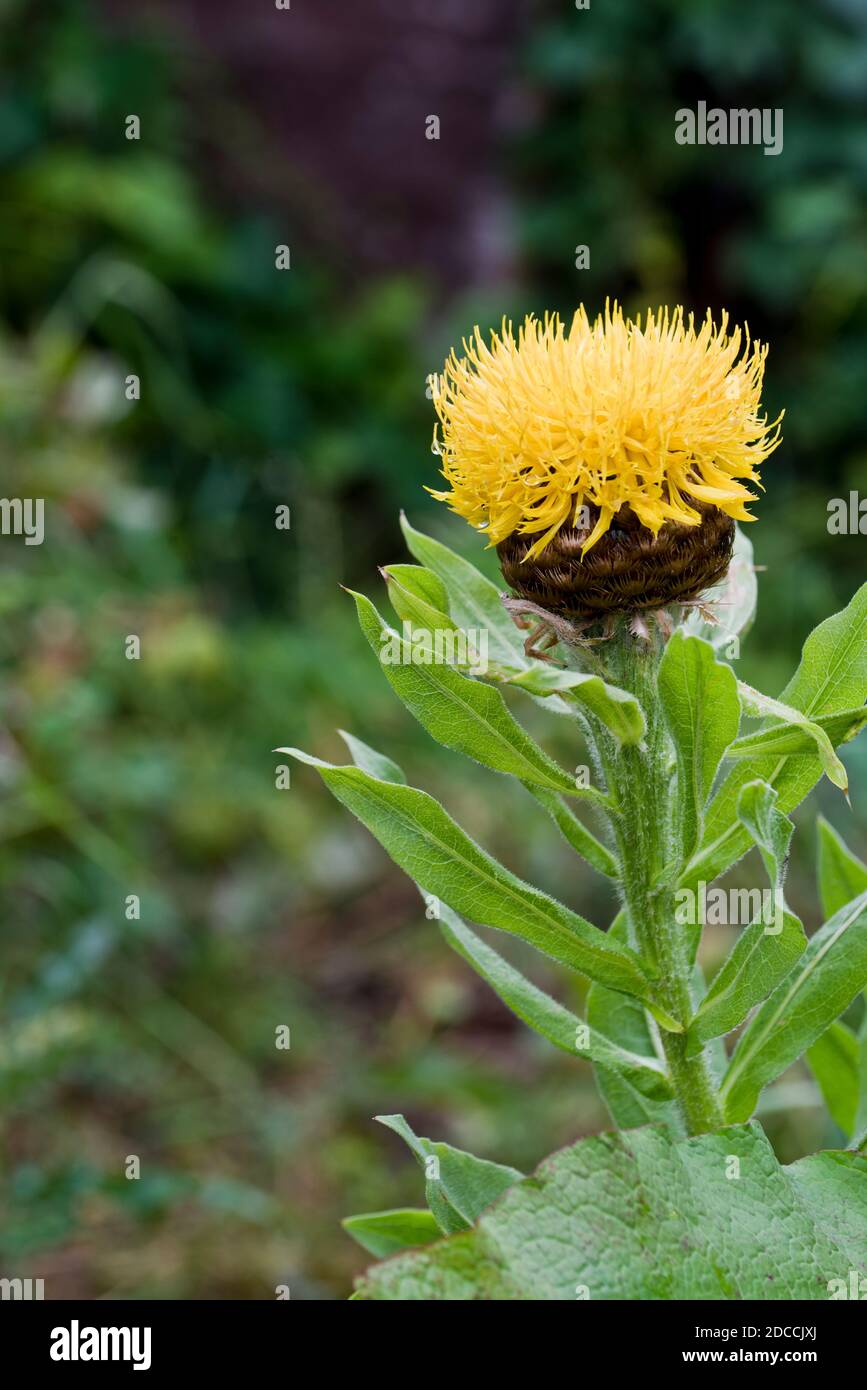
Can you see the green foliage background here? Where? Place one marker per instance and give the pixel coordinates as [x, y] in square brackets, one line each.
[259, 908]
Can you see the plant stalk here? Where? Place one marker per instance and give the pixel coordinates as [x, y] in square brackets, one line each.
[644, 784]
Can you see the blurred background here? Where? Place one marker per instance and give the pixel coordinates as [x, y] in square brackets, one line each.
[305, 387]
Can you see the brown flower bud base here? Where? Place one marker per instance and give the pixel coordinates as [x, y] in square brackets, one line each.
[627, 571]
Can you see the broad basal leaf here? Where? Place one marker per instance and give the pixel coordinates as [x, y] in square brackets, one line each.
[817, 990]
[701, 708]
[427, 844]
[643, 1215]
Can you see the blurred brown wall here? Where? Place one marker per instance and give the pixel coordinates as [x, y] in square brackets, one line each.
[344, 91]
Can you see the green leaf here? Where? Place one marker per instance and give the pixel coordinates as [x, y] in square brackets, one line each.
[645, 1215]
[466, 651]
[383, 1233]
[418, 583]
[619, 711]
[828, 731]
[834, 1060]
[732, 601]
[576, 833]
[842, 876]
[831, 678]
[548, 1018]
[820, 986]
[474, 602]
[625, 1022]
[367, 758]
[531, 1004]
[754, 966]
[419, 616]
[770, 829]
[838, 1060]
[859, 1139]
[700, 703]
[426, 843]
[458, 1186]
[758, 705]
[459, 713]
[764, 953]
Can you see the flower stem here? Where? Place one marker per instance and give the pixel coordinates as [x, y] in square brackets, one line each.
[644, 785]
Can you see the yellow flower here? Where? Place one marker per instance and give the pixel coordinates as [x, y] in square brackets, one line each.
[605, 415]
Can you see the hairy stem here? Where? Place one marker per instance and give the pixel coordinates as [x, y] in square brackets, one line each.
[643, 781]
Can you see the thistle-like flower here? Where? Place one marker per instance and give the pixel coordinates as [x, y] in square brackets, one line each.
[606, 462]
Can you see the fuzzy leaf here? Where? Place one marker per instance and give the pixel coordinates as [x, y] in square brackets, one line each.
[643, 1215]
[383, 1233]
[828, 731]
[460, 713]
[770, 829]
[759, 706]
[474, 602]
[834, 1060]
[548, 1018]
[831, 678]
[419, 583]
[532, 1005]
[574, 831]
[817, 990]
[427, 844]
[625, 1022]
[842, 876]
[421, 616]
[617, 709]
[838, 1059]
[755, 965]
[764, 953]
[464, 1185]
[859, 1139]
[700, 704]
[367, 758]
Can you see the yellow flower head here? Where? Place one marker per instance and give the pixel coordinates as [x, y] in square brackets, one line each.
[604, 414]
